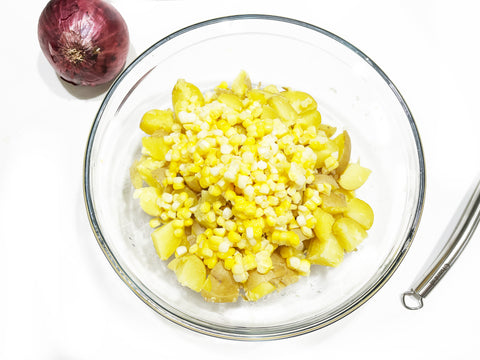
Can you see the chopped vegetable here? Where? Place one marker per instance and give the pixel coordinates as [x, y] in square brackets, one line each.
[250, 186]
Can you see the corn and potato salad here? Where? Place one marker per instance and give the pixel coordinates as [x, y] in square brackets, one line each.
[247, 188]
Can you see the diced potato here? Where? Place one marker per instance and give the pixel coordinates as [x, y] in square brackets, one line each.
[232, 101]
[360, 211]
[220, 286]
[259, 291]
[300, 101]
[325, 251]
[281, 275]
[327, 129]
[242, 84]
[193, 183]
[204, 218]
[269, 113]
[310, 118]
[154, 120]
[185, 94]
[165, 241]
[323, 226]
[148, 200]
[190, 271]
[326, 179]
[344, 149]
[349, 233]
[354, 176]
[135, 176]
[156, 146]
[258, 95]
[284, 110]
[272, 89]
[151, 171]
[334, 203]
[327, 149]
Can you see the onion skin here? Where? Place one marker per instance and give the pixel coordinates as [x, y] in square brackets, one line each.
[86, 41]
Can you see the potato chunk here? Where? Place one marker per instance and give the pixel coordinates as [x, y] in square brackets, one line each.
[284, 110]
[185, 94]
[326, 251]
[354, 176]
[220, 285]
[156, 146]
[190, 271]
[154, 120]
[300, 101]
[165, 240]
[349, 233]
[344, 149]
[323, 226]
[360, 211]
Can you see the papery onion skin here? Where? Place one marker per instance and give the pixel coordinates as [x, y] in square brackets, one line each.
[86, 41]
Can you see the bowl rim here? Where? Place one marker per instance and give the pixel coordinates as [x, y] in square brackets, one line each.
[259, 333]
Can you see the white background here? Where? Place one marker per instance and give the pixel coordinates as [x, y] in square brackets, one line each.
[61, 300]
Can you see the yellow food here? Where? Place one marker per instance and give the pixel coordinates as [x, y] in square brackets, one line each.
[247, 188]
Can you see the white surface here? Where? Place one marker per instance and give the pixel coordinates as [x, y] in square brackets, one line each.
[60, 299]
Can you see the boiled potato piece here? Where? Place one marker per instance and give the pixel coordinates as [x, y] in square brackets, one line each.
[310, 118]
[354, 176]
[135, 176]
[165, 241]
[334, 203]
[220, 285]
[281, 275]
[148, 200]
[151, 171]
[268, 113]
[259, 291]
[360, 211]
[327, 129]
[323, 226]
[300, 101]
[326, 179]
[156, 146]
[190, 271]
[185, 94]
[327, 149]
[349, 233]
[154, 120]
[231, 100]
[193, 183]
[344, 150]
[325, 251]
[242, 84]
[258, 285]
[284, 110]
[206, 219]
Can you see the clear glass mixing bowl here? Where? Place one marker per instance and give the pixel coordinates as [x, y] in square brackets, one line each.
[352, 93]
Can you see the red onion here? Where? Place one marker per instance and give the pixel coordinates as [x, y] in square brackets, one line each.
[86, 41]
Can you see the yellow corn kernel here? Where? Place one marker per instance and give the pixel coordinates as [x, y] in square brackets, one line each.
[210, 262]
[229, 262]
[234, 237]
[226, 255]
[281, 237]
[205, 252]
[184, 213]
[193, 249]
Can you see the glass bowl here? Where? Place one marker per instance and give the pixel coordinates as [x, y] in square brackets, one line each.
[352, 93]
